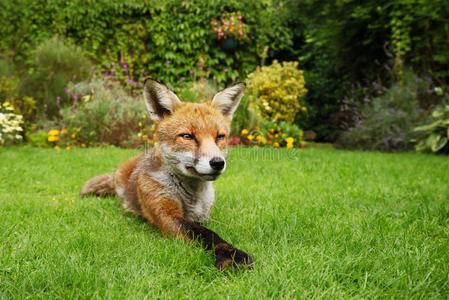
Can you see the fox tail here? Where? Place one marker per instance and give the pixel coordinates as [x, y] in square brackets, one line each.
[102, 185]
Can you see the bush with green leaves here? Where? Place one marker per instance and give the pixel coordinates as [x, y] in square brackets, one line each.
[169, 40]
[343, 44]
[434, 135]
[387, 121]
[278, 90]
[55, 64]
[106, 114]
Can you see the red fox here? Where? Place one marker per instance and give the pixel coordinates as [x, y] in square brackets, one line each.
[171, 185]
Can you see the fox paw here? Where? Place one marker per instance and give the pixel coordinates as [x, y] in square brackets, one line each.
[228, 256]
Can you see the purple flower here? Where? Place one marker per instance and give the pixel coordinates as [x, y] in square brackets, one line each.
[125, 66]
[58, 101]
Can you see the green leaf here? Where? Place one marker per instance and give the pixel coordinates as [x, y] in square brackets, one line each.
[438, 143]
[429, 127]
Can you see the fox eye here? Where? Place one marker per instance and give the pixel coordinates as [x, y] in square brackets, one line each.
[220, 137]
[187, 136]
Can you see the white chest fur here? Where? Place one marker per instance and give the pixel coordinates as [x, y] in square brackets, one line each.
[199, 208]
[196, 197]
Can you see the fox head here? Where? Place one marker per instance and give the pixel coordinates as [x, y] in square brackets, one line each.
[192, 137]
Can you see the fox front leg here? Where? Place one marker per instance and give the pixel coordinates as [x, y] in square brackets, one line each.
[166, 214]
[226, 255]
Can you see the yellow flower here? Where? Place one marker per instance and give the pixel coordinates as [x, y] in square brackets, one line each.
[53, 138]
[289, 145]
[63, 131]
[250, 137]
[244, 131]
[290, 140]
[261, 139]
[53, 132]
[68, 148]
[73, 136]
[302, 144]
[276, 145]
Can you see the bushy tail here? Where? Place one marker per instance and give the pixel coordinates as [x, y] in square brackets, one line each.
[102, 185]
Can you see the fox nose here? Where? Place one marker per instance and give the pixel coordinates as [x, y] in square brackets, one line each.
[217, 163]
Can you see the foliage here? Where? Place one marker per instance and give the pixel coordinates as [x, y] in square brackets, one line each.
[278, 90]
[25, 106]
[9, 92]
[55, 65]
[273, 134]
[37, 138]
[169, 38]
[435, 134]
[342, 44]
[387, 121]
[106, 114]
[11, 125]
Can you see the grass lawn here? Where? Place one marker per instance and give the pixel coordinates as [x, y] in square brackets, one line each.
[319, 223]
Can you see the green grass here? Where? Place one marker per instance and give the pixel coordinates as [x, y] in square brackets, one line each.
[319, 223]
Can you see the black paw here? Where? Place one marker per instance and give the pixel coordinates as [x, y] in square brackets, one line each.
[228, 256]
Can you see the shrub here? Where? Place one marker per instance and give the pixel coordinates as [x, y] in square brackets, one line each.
[387, 121]
[166, 39]
[106, 114]
[10, 125]
[277, 135]
[37, 138]
[277, 90]
[434, 135]
[56, 64]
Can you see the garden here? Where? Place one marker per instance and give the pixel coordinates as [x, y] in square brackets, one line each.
[338, 161]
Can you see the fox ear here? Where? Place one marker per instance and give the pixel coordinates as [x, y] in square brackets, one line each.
[160, 100]
[228, 99]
